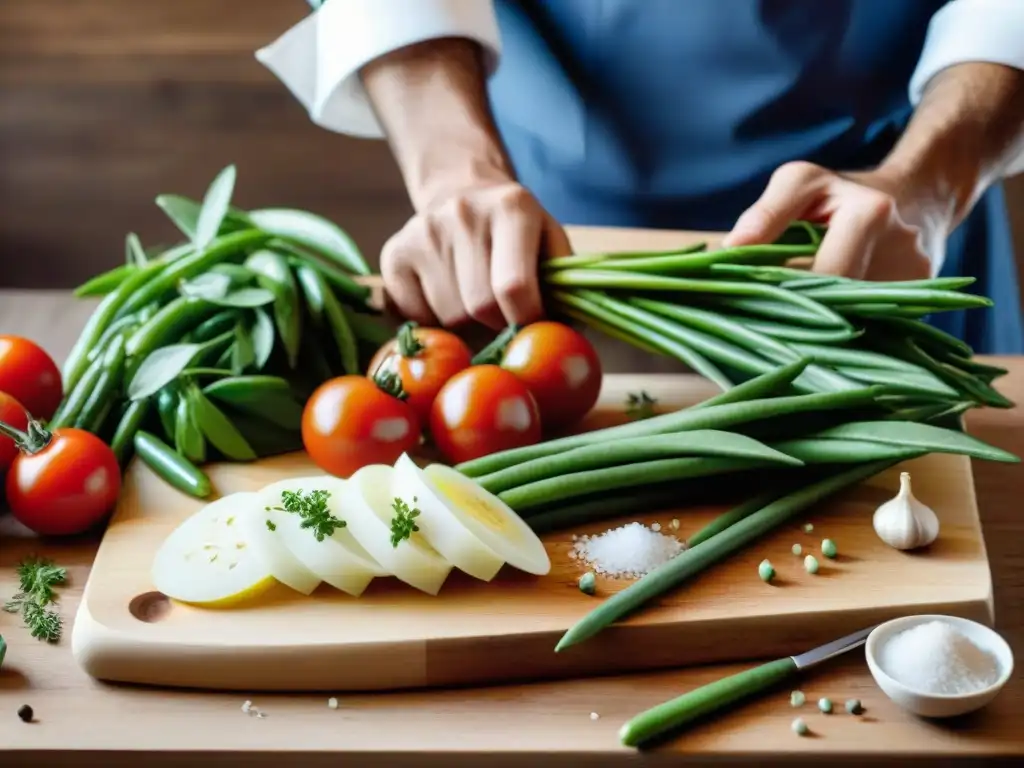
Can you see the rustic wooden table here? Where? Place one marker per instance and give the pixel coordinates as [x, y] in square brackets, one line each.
[82, 722]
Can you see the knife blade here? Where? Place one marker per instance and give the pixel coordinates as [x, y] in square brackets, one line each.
[702, 701]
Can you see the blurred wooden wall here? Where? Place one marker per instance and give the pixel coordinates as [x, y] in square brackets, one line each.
[106, 103]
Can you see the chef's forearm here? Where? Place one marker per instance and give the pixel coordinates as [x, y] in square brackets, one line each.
[432, 101]
[967, 127]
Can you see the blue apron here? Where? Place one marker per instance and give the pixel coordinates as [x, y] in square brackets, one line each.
[674, 113]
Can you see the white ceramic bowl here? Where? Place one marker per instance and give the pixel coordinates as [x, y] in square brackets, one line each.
[933, 704]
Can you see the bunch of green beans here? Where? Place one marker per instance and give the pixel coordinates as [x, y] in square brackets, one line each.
[736, 313]
[207, 349]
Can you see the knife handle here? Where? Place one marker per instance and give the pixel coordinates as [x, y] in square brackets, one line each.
[704, 700]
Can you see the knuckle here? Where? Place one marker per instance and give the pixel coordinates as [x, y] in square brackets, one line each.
[513, 288]
[879, 206]
[481, 308]
[515, 200]
[797, 172]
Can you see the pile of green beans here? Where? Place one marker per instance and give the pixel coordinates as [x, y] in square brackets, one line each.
[206, 350]
[736, 313]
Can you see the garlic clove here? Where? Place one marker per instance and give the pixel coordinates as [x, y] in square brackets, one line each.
[903, 522]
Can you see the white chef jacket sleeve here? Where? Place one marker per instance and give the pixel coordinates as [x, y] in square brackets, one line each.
[320, 57]
[973, 30]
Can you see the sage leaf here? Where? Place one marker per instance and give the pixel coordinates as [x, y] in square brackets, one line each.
[209, 286]
[262, 338]
[314, 232]
[184, 212]
[243, 350]
[218, 429]
[215, 207]
[244, 297]
[161, 367]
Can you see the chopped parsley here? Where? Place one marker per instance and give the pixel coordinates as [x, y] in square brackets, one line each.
[312, 508]
[403, 524]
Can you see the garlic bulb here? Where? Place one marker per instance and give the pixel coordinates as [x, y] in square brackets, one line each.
[904, 522]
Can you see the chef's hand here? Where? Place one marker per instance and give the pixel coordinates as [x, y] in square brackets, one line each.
[876, 231]
[471, 254]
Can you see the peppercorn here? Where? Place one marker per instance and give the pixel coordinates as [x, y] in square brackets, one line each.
[25, 713]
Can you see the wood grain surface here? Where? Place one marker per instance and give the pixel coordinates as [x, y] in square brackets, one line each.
[81, 722]
[474, 632]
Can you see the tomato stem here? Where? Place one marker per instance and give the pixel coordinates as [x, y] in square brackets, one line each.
[494, 352]
[390, 383]
[408, 344]
[32, 440]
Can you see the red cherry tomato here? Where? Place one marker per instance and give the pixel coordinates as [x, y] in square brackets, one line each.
[482, 410]
[560, 368]
[63, 482]
[30, 376]
[349, 422]
[12, 413]
[424, 359]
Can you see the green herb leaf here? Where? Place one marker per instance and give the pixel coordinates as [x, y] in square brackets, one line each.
[262, 337]
[211, 286]
[243, 352]
[184, 212]
[217, 428]
[313, 232]
[215, 207]
[271, 526]
[244, 297]
[403, 524]
[161, 367]
[134, 253]
[37, 578]
[312, 508]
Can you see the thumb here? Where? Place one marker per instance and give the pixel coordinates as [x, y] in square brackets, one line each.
[792, 190]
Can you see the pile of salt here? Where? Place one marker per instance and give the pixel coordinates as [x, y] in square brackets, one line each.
[631, 551]
[935, 657]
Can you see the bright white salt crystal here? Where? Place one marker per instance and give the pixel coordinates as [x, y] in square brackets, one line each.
[935, 657]
[632, 550]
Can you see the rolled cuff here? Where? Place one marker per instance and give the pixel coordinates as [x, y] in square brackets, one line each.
[319, 58]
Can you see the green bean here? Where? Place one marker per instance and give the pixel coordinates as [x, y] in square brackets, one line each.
[986, 373]
[586, 259]
[190, 266]
[265, 438]
[526, 497]
[218, 429]
[885, 294]
[77, 360]
[172, 467]
[814, 379]
[805, 283]
[101, 399]
[274, 274]
[886, 311]
[105, 282]
[788, 332]
[908, 434]
[672, 347]
[733, 516]
[771, 383]
[697, 558]
[217, 325]
[586, 278]
[314, 232]
[679, 264]
[367, 328]
[590, 510]
[813, 450]
[712, 347]
[131, 422]
[318, 294]
[338, 280]
[610, 330]
[767, 274]
[189, 440]
[180, 315]
[711, 417]
[775, 310]
[859, 358]
[116, 328]
[239, 276]
[68, 411]
[167, 409]
[927, 411]
[906, 381]
[924, 331]
[701, 442]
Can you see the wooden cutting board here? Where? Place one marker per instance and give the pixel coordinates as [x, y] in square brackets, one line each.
[475, 632]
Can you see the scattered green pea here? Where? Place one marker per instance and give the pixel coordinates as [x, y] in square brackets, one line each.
[797, 699]
[811, 564]
[766, 571]
[825, 705]
[828, 548]
[808, 527]
[854, 707]
[800, 727]
[797, 550]
[588, 583]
